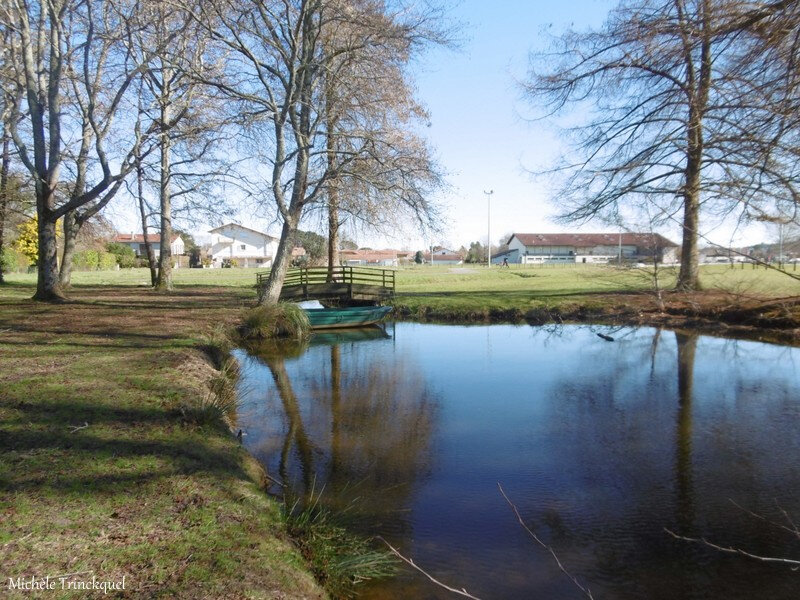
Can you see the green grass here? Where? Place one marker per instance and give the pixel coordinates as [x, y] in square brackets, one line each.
[115, 459]
[472, 289]
[468, 288]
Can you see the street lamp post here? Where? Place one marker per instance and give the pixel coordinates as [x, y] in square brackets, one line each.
[488, 227]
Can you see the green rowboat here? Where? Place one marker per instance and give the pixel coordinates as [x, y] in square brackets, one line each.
[354, 316]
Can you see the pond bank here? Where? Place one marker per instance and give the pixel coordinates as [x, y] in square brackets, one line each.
[116, 463]
[712, 313]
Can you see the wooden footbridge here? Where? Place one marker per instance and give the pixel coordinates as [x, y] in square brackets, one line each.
[340, 285]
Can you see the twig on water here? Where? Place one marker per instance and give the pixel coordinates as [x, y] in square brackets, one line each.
[552, 552]
[408, 561]
[729, 550]
[75, 428]
[793, 529]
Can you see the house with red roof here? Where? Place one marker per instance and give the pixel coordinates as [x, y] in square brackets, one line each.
[136, 242]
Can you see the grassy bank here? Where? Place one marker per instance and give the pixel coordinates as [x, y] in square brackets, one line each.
[739, 301]
[112, 465]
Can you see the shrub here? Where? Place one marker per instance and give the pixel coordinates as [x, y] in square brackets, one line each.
[107, 261]
[13, 261]
[272, 321]
[93, 260]
[123, 254]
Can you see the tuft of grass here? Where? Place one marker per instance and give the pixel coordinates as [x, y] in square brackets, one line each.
[217, 342]
[339, 559]
[275, 321]
[221, 404]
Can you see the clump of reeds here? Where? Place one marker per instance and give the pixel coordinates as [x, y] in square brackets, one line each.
[340, 559]
[219, 406]
[217, 343]
[275, 321]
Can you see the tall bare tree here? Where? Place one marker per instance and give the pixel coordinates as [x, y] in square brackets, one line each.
[372, 116]
[673, 113]
[58, 48]
[277, 49]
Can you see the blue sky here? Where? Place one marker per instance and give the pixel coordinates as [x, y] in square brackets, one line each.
[478, 126]
[478, 116]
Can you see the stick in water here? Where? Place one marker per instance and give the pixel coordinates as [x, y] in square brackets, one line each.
[585, 590]
[408, 561]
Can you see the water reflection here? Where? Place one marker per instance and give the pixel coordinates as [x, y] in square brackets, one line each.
[362, 434]
[687, 346]
[600, 444]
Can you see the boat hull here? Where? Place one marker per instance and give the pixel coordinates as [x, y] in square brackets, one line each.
[338, 318]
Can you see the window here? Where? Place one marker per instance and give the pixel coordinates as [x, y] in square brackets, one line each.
[243, 247]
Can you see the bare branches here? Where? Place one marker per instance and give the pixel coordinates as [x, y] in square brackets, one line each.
[791, 528]
[731, 550]
[460, 592]
[552, 552]
[691, 103]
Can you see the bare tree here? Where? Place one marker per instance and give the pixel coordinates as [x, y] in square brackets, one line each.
[280, 53]
[71, 77]
[680, 113]
[172, 93]
[370, 111]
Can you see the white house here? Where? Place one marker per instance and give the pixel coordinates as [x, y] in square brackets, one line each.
[235, 245]
[533, 248]
[136, 242]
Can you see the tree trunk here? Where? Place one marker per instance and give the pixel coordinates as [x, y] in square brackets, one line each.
[688, 277]
[148, 247]
[164, 282]
[48, 287]
[4, 193]
[71, 226]
[333, 228]
[272, 290]
[333, 185]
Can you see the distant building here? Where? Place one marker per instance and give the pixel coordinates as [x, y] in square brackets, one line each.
[443, 257]
[380, 258]
[236, 245]
[136, 242]
[538, 248]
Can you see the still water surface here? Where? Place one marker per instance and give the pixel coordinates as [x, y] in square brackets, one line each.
[601, 445]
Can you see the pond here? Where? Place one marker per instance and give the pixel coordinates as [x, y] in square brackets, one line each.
[601, 446]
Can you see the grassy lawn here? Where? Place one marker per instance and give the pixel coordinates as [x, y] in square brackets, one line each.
[111, 468]
[467, 288]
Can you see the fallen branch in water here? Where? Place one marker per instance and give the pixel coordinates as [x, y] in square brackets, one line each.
[793, 529]
[408, 561]
[729, 550]
[552, 552]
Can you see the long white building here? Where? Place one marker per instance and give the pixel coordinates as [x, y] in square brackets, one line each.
[537, 248]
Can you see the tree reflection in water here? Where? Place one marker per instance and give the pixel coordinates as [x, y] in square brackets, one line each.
[601, 446]
[687, 346]
[360, 434]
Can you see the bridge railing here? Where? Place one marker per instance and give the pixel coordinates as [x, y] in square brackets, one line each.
[304, 276]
